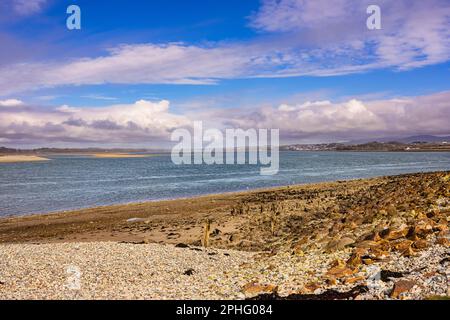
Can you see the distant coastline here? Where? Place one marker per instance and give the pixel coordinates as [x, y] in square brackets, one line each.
[371, 147]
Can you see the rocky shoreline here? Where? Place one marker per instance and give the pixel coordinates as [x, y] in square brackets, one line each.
[381, 238]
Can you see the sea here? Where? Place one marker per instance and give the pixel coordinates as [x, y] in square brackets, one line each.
[69, 182]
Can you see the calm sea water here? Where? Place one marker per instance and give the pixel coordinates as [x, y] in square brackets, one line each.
[72, 182]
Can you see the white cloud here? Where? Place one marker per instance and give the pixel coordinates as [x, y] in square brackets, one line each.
[27, 7]
[314, 38]
[142, 121]
[145, 122]
[348, 120]
[414, 33]
[10, 103]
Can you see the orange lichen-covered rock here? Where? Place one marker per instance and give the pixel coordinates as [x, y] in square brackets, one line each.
[443, 242]
[254, 288]
[423, 229]
[402, 245]
[354, 279]
[367, 244]
[330, 281]
[440, 227]
[340, 269]
[374, 236]
[354, 260]
[377, 254]
[312, 286]
[420, 244]
[338, 244]
[394, 234]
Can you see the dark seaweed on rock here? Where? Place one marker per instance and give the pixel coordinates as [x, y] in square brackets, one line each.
[327, 295]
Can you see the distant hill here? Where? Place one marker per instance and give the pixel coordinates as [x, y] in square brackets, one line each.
[425, 138]
[411, 139]
[415, 145]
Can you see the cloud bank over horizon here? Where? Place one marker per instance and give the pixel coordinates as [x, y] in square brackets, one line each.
[145, 122]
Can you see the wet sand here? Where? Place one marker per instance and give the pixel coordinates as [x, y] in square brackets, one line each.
[241, 215]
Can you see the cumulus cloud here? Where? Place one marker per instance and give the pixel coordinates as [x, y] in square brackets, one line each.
[350, 119]
[299, 37]
[142, 121]
[10, 103]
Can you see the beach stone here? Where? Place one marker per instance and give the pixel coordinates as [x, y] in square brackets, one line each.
[339, 244]
[402, 245]
[443, 242]
[422, 230]
[330, 281]
[400, 287]
[312, 286]
[354, 279]
[189, 272]
[420, 244]
[340, 269]
[254, 288]
[394, 234]
[133, 220]
[374, 236]
[366, 244]
[354, 260]
[215, 232]
[377, 254]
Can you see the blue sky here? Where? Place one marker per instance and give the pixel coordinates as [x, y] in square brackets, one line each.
[224, 62]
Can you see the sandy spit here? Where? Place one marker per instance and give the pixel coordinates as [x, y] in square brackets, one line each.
[21, 158]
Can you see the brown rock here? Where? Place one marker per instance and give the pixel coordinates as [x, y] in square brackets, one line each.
[400, 287]
[423, 229]
[441, 227]
[354, 279]
[361, 251]
[339, 244]
[312, 286]
[354, 260]
[420, 244]
[339, 269]
[377, 254]
[337, 263]
[367, 244]
[394, 234]
[330, 281]
[254, 288]
[374, 236]
[443, 242]
[405, 248]
[367, 261]
[341, 272]
[402, 245]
